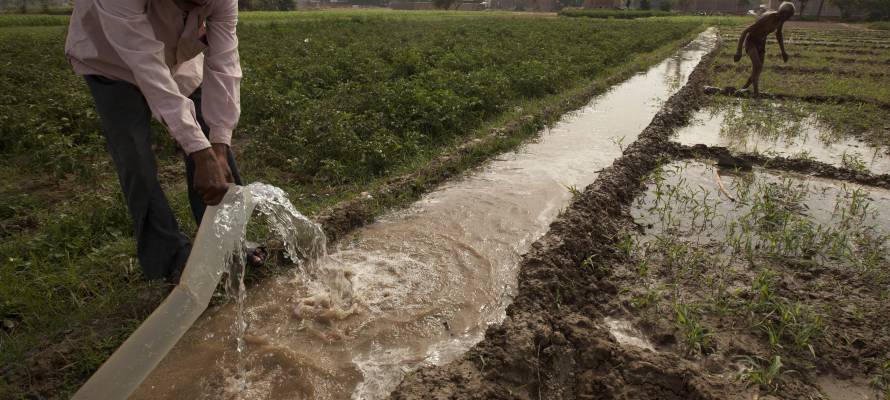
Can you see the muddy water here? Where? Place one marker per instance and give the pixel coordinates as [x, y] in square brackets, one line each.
[805, 138]
[425, 281]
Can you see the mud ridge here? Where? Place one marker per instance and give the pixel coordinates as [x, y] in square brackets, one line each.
[553, 343]
[842, 60]
[802, 166]
[814, 98]
[843, 41]
[858, 46]
[827, 49]
[781, 69]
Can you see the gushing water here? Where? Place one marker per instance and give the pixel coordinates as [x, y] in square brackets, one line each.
[304, 243]
[218, 249]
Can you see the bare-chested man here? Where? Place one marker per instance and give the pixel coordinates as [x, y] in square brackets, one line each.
[754, 39]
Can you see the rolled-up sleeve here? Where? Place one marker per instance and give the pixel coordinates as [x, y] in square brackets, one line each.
[130, 33]
[221, 89]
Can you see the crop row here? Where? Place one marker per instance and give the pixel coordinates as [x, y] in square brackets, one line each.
[610, 13]
[802, 67]
[323, 102]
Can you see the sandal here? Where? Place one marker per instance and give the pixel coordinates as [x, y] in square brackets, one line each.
[256, 254]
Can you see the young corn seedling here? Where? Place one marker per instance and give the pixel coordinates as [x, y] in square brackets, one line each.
[853, 162]
[766, 374]
[696, 337]
[573, 189]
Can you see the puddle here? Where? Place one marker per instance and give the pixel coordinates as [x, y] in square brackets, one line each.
[687, 199]
[764, 214]
[805, 138]
[836, 389]
[626, 334]
[426, 281]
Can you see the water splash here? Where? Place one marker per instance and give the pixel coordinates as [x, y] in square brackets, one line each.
[218, 249]
[304, 241]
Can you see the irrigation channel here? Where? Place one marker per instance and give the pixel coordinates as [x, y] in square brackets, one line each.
[424, 282]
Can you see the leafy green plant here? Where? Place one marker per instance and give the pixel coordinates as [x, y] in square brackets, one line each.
[695, 335]
[881, 379]
[651, 296]
[576, 193]
[766, 374]
[854, 162]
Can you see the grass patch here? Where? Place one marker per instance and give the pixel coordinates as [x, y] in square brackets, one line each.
[881, 25]
[32, 20]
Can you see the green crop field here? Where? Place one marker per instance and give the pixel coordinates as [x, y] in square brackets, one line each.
[333, 103]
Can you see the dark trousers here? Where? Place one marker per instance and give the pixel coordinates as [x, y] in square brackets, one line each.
[160, 246]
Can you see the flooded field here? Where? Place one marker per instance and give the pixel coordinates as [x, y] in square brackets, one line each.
[425, 282]
[778, 275]
[778, 135]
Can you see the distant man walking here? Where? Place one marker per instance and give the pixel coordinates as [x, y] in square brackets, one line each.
[177, 60]
[754, 40]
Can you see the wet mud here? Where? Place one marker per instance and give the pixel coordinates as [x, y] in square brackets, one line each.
[802, 166]
[746, 268]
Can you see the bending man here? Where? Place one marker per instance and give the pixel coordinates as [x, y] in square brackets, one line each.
[177, 60]
[754, 40]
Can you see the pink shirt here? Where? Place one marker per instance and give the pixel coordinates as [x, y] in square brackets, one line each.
[167, 53]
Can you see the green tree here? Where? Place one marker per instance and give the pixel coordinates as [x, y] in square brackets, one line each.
[645, 4]
[665, 5]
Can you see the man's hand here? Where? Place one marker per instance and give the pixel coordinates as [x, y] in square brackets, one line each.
[738, 56]
[212, 174]
[784, 56]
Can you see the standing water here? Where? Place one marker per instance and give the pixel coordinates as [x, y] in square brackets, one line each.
[422, 284]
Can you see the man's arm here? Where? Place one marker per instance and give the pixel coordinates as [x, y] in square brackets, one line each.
[129, 32]
[738, 51]
[221, 89]
[781, 39]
